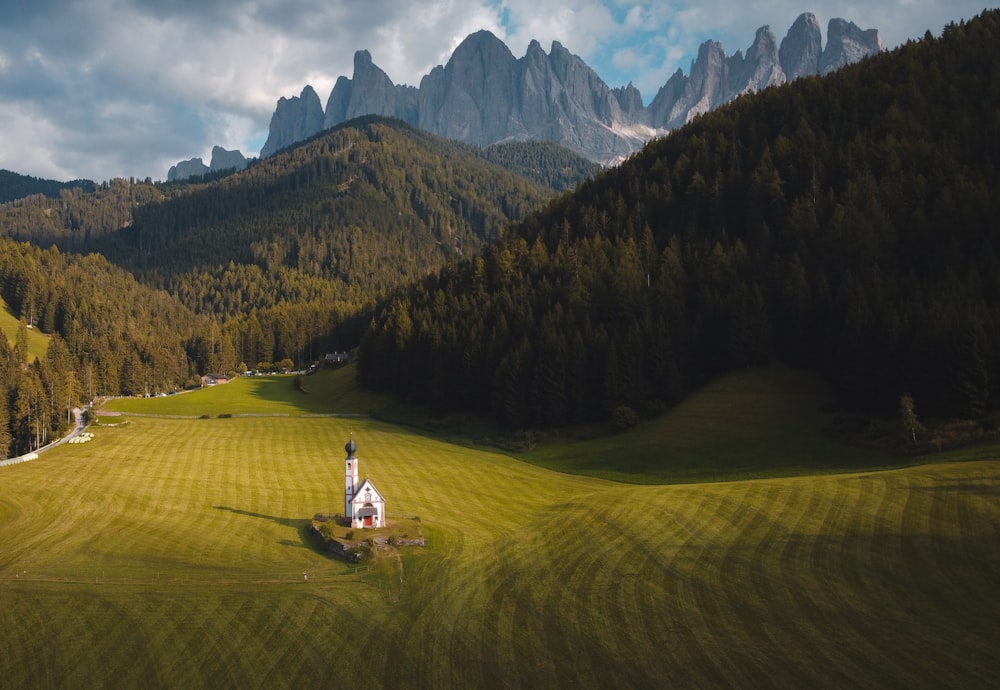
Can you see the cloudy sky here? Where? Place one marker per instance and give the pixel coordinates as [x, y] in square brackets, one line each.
[106, 88]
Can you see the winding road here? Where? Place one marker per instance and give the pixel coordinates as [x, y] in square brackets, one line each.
[78, 415]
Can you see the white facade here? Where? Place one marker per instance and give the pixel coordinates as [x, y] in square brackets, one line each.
[369, 507]
[364, 506]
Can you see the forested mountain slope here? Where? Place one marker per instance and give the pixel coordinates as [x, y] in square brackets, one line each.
[289, 252]
[16, 186]
[109, 335]
[367, 203]
[846, 223]
[75, 217]
[545, 162]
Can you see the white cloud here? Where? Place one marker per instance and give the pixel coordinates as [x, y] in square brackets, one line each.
[23, 129]
[626, 58]
[581, 26]
[128, 87]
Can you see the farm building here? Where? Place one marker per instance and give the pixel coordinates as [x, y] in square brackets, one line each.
[336, 358]
[364, 506]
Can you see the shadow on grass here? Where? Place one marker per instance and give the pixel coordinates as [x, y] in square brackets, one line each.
[306, 539]
[301, 527]
[323, 392]
[280, 389]
[286, 522]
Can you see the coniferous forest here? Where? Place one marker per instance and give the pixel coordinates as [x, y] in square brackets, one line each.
[843, 224]
[145, 286]
[108, 335]
[846, 224]
[16, 186]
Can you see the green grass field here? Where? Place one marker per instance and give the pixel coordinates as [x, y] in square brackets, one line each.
[750, 424]
[328, 392]
[38, 342]
[170, 552]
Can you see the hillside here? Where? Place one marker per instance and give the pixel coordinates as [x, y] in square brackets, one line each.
[842, 224]
[104, 334]
[291, 253]
[76, 217]
[16, 186]
[544, 162]
[370, 205]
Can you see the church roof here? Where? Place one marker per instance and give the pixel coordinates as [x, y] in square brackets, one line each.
[367, 511]
[359, 496]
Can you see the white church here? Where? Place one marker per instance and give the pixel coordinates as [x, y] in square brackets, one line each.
[363, 504]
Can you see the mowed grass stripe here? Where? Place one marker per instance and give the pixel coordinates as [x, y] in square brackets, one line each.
[530, 578]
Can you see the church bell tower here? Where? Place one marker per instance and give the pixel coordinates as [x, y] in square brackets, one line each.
[350, 477]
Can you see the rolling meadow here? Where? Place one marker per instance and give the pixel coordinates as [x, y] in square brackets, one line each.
[173, 551]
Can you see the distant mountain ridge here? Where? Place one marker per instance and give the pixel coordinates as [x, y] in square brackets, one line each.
[17, 186]
[195, 167]
[485, 95]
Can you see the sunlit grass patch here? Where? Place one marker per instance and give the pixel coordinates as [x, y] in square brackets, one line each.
[752, 423]
[328, 392]
[175, 552]
[38, 342]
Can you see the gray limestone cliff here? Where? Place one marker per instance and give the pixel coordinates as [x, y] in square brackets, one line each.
[485, 95]
[760, 68]
[846, 44]
[227, 160]
[472, 97]
[295, 119]
[715, 79]
[369, 92]
[801, 47]
[195, 167]
[192, 167]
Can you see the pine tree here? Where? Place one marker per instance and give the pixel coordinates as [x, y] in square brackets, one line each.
[908, 418]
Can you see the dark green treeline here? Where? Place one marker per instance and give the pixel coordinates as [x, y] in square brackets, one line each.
[108, 335]
[846, 224]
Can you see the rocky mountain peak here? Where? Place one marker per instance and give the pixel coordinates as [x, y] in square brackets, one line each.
[535, 51]
[760, 68]
[846, 43]
[484, 94]
[225, 160]
[295, 119]
[362, 58]
[801, 47]
[715, 78]
[195, 167]
[482, 43]
[370, 91]
[629, 98]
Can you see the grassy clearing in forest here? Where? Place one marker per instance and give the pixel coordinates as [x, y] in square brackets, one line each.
[326, 392]
[38, 342]
[748, 424]
[172, 552]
